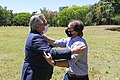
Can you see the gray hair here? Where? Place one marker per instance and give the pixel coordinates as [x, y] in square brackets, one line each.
[35, 20]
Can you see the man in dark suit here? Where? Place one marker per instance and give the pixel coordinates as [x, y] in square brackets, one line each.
[35, 66]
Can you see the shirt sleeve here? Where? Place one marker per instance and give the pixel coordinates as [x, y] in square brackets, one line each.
[75, 57]
[62, 42]
[40, 44]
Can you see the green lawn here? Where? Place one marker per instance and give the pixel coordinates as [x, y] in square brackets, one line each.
[103, 57]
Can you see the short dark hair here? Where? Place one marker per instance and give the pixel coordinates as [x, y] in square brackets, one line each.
[78, 27]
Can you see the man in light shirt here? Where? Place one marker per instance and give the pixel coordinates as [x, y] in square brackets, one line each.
[77, 67]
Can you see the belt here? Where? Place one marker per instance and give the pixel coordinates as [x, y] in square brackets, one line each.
[77, 76]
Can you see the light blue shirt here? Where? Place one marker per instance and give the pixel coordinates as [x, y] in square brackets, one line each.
[78, 64]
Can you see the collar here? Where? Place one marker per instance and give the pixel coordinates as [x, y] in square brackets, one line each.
[35, 32]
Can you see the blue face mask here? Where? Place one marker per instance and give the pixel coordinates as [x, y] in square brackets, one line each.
[68, 33]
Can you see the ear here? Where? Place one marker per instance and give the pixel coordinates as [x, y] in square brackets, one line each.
[37, 26]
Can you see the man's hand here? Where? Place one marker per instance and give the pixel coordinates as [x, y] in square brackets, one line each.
[48, 58]
[78, 49]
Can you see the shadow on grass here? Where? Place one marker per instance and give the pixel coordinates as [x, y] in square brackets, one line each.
[113, 29]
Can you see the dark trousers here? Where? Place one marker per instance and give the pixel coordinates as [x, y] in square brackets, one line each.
[67, 77]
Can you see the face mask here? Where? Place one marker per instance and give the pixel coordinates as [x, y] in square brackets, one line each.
[46, 29]
[69, 34]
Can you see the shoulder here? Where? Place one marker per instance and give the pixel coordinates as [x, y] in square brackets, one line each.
[83, 40]
[35, 37]
[80, 41]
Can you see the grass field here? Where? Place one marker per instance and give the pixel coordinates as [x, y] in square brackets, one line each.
[103, 57]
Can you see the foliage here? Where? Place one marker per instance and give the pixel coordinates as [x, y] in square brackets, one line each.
[101, 10]
[116, 20]
[22, 19]
[50, 16]
[5, 17]
[75, 12]
[65, 15]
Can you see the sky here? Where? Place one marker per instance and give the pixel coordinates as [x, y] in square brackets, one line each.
[34, 5]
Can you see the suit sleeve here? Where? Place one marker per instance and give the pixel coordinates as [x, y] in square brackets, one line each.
[39, 43]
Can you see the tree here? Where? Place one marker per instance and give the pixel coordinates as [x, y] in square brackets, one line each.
[1, 16]
[51, 16]
[22, 19]
[5, 17]
[103, 11]
[75, 12]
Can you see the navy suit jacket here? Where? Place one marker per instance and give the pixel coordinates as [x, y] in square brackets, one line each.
[35, 66]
